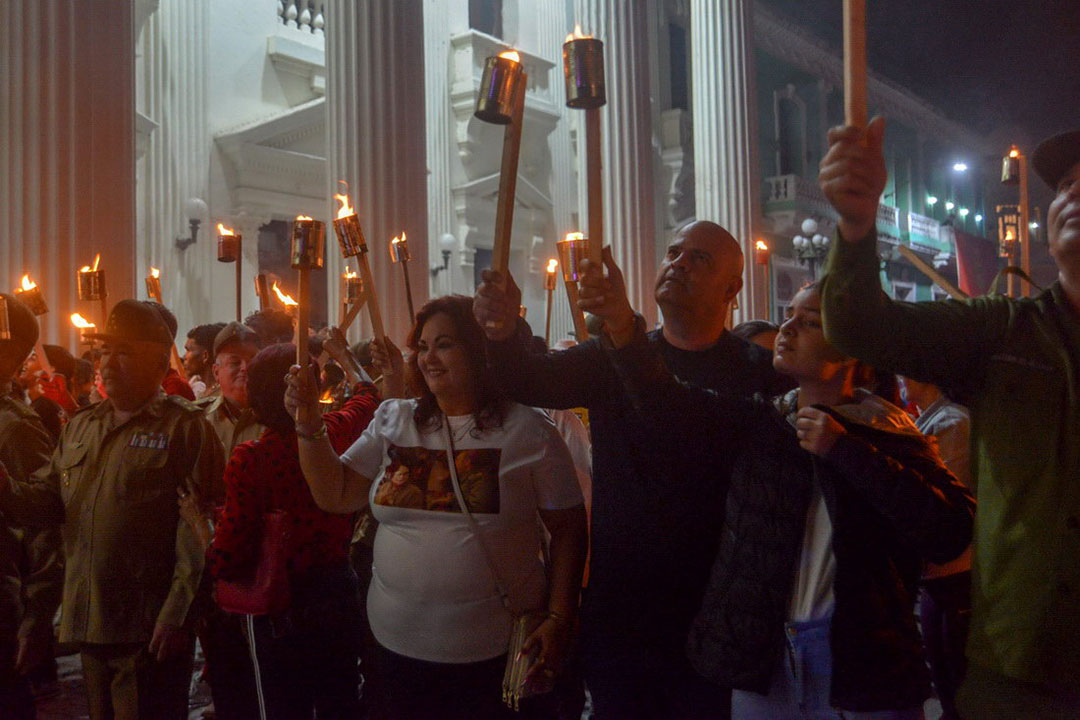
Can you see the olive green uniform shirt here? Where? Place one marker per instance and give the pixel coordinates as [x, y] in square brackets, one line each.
[27, 600]
[132, 561]
[231, 427]
[1016, 364]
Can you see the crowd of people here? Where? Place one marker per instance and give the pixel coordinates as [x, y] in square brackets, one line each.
[761, 523]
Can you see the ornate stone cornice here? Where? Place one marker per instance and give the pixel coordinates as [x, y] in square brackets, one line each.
[790, 42]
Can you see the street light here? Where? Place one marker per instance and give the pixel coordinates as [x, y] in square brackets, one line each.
[811, 247]
[949, 205]
[931, 200]
[978, 218]
[964, 212]
[960, 167]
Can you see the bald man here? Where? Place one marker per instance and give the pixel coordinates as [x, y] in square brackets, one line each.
[655, 523]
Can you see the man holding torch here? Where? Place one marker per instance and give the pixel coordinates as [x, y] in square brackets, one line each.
[134, 567]
[1015, 364]
[653, 537]
[25, 623]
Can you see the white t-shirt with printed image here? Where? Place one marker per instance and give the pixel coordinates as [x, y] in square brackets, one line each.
[432, 594]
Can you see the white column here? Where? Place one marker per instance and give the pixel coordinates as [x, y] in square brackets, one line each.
[376, 140]
[727, 183]
[66, 149]
[626, 130]
[172, 93]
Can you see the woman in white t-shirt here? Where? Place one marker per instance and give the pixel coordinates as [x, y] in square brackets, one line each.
[434, 602]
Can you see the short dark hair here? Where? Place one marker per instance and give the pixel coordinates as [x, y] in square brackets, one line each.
[752, 328]
[204, 335]
[84, 372]
[24, 334]
[266, 386]
[273, 326]
[166, 315]
[491, 403]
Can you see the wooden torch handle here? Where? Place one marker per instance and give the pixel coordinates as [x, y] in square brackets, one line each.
[580, 329]
[594, 179]
[372, 297]
[855, 62]
[504, 210]
[303, 317]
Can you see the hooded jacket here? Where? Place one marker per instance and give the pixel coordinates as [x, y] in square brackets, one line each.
[892, 504]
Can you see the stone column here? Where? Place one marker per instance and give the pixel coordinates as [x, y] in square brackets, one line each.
[376, 141]
[67, 149]
[172, 96]
[727, 180]
[627, 133]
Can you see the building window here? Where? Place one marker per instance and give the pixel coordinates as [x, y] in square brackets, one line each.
[486, 16]
[679, 75]
[789, 111]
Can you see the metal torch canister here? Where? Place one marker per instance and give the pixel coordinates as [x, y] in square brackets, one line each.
[5, 320]
[228, 248]
[352, 289]
[399, 251]
[350, 236]
[495, 101]
[153, 287]
[308, 245]
[550, 278]
[572, 250]
[583, 67]
[33, 299]
[91, 285]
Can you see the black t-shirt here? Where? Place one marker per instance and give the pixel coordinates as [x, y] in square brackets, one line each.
[656, 513]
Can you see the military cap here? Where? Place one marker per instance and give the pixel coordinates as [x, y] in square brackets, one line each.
[1055, 155]
[234, 332]
[134, 321]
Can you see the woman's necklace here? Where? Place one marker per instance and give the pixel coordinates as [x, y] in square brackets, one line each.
[462, 428]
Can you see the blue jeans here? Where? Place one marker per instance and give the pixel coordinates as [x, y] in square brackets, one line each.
[801, 684]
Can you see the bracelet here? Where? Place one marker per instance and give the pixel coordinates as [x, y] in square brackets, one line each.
[317, 435]
[558, 618]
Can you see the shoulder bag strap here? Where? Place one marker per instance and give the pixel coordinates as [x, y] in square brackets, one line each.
[504, 596]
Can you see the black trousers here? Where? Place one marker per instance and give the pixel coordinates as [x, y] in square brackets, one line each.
[228, 666]
[308, 657]
[420, 690]
[945, 614]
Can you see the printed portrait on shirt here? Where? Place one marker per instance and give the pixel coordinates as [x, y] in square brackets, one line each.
[419, 478]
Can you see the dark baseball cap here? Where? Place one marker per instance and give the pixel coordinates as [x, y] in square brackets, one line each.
[235, 332]
[1055, 156]
[134, 321]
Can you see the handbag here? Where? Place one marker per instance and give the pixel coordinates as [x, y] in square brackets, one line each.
[266, 591]
[518, 664]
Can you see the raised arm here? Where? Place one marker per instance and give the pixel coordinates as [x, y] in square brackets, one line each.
[566, 379]
[335, 487]
[945, 342]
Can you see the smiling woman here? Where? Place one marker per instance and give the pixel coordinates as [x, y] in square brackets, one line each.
[456, 478]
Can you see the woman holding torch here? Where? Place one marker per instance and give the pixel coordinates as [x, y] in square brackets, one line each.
[447, 584]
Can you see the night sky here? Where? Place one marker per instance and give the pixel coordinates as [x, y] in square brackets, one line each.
[1007, 69]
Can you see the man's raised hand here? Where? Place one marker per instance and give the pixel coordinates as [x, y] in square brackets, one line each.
[853, 176]
[497, 305]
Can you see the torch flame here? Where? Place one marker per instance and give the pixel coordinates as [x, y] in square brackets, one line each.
[97, 259]
[303, 217]
[284, 297]
[552, 265]
[27, 283]
[222, 230]
[510, 55]
[80, 322]
[1009, 235]
[349, 274]
[154, 272]
[1014, 152]
[760, 245]
[577, 34]
[570, 237]
[401, 239]
[327, 398]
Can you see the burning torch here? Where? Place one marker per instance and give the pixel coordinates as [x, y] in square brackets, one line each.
[30, 295]
[583, 69]
[229, 247]
[351, 239]
[572, 250]
[399, 253]
[306, 254]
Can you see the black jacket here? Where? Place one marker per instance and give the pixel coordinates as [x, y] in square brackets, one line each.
[654, 518]
[891, 501]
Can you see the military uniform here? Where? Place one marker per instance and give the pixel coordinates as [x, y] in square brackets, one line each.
[24, 606]
[132, 562]
[231, 426]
